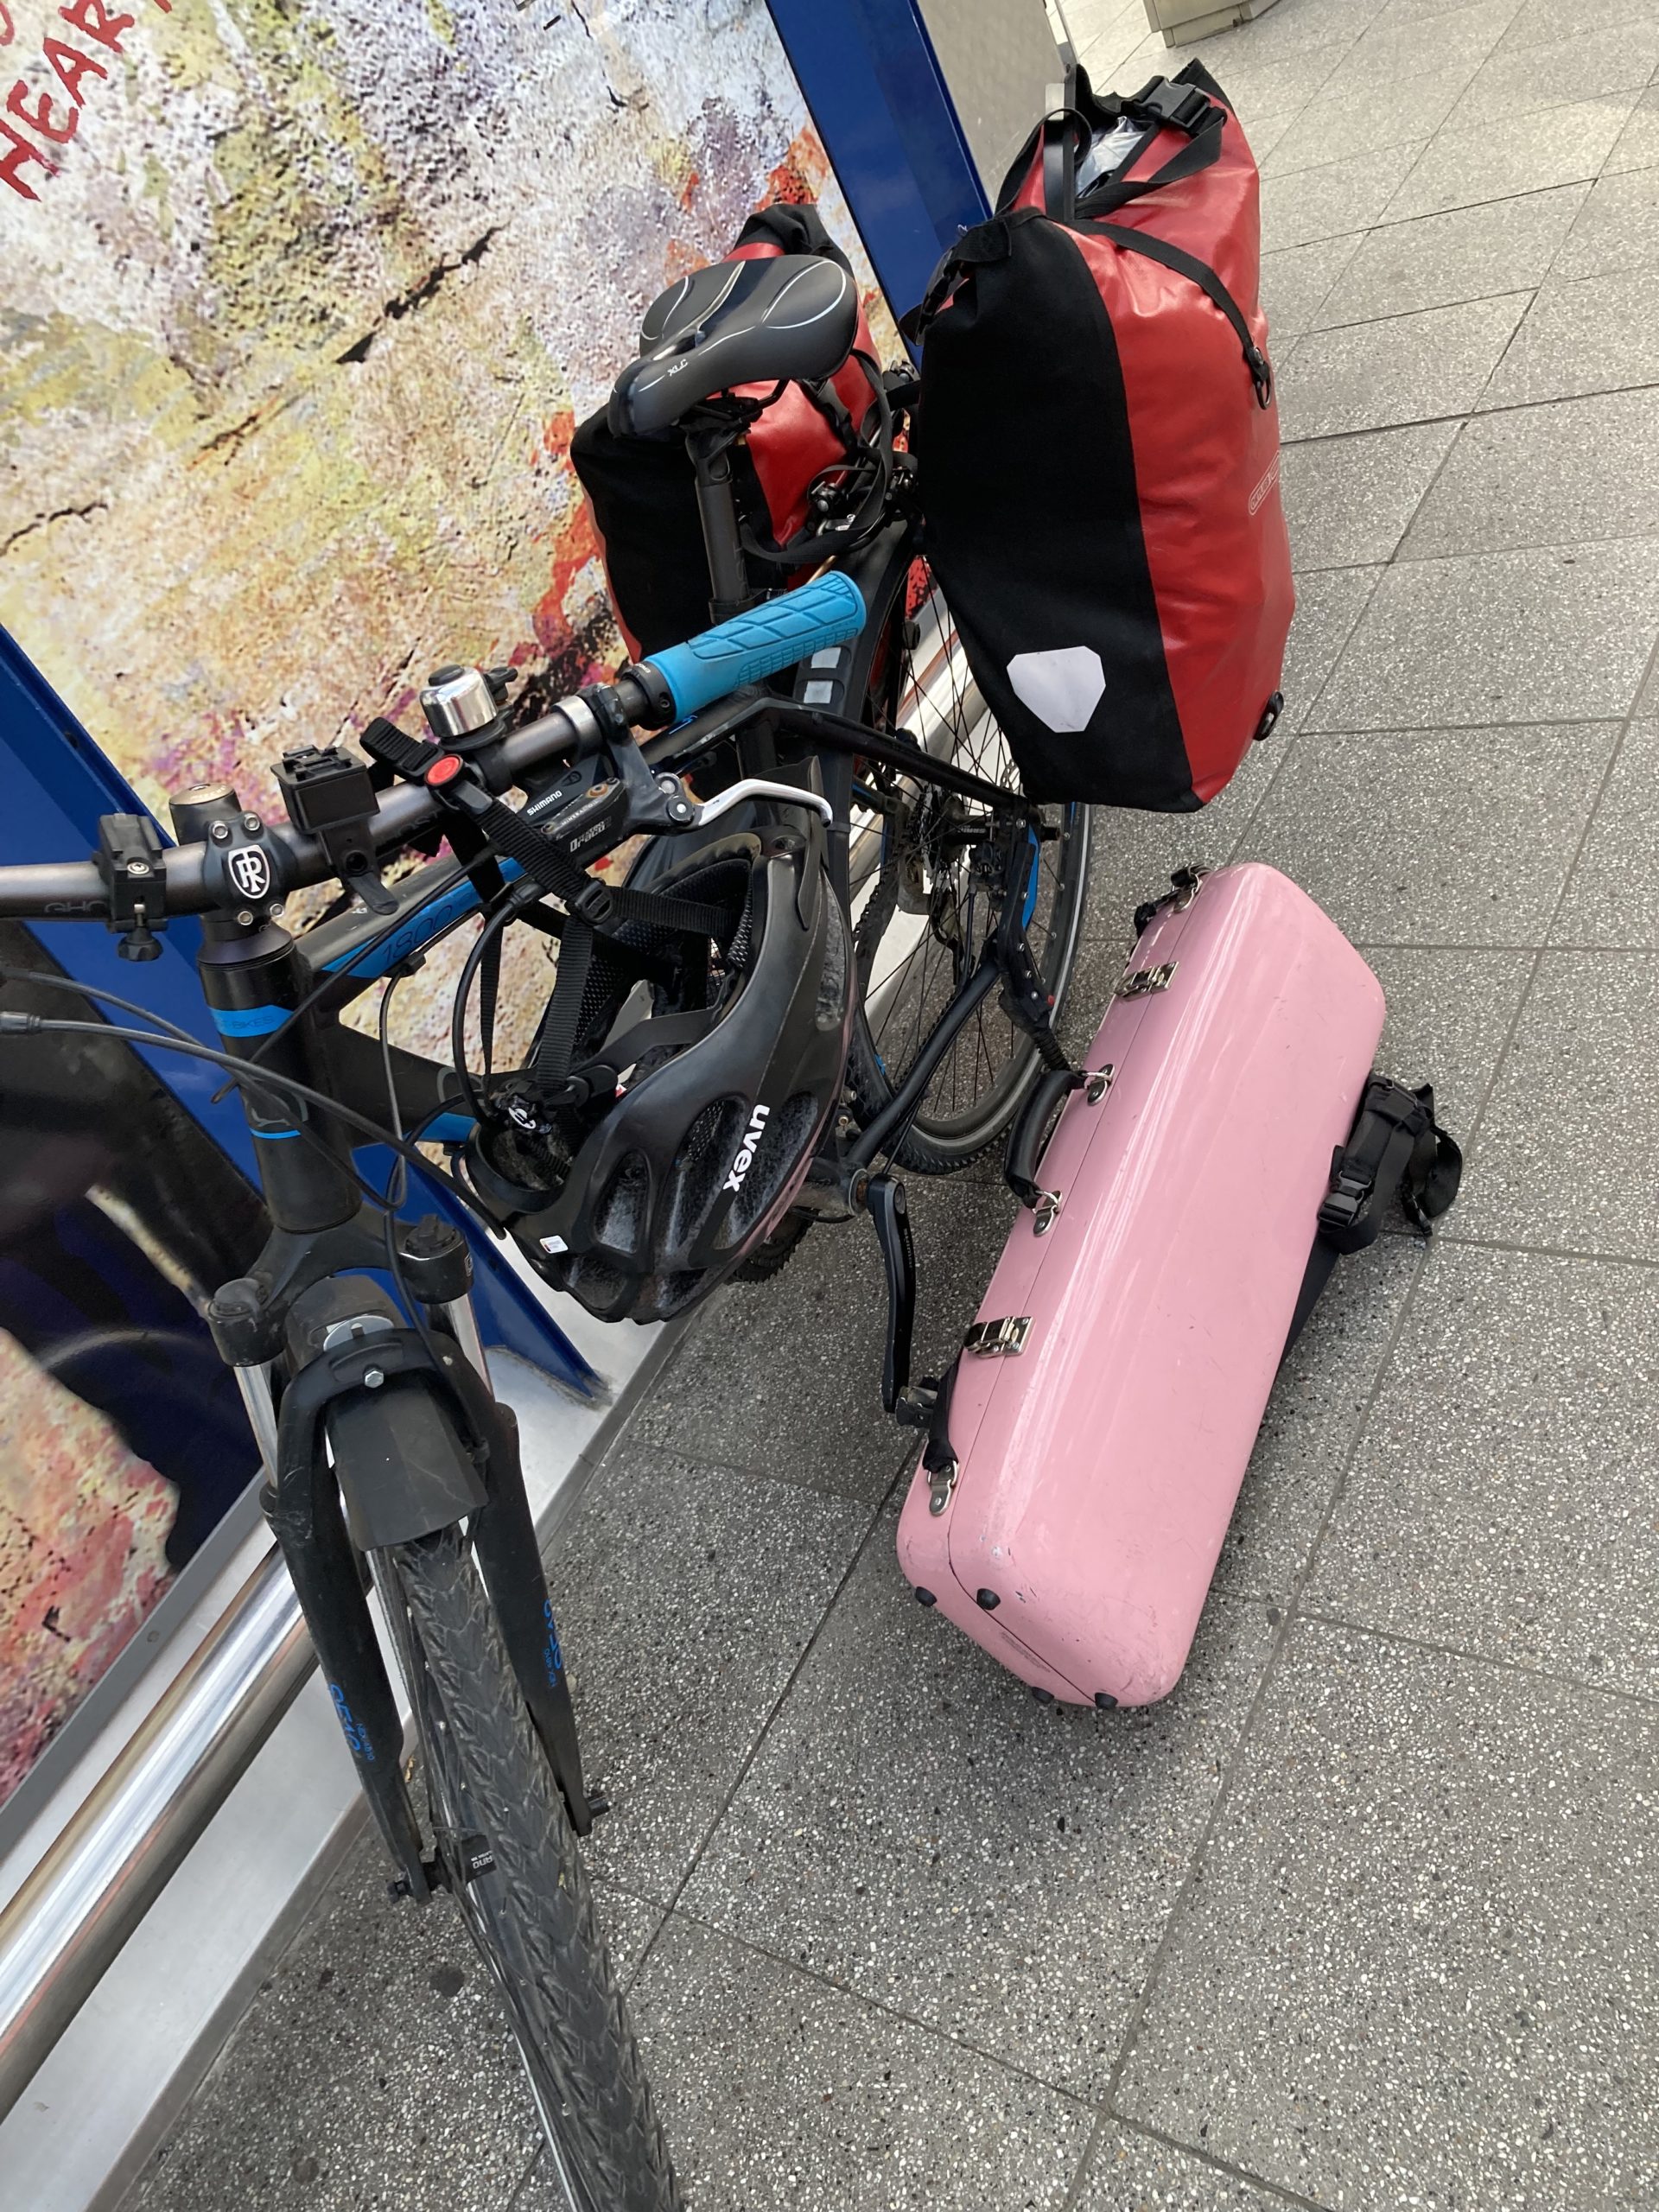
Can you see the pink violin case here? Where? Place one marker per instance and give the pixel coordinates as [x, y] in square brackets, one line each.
[1087, 1448]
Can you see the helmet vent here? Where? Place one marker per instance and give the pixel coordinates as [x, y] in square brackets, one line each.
[621, 1221]
[711, 1145]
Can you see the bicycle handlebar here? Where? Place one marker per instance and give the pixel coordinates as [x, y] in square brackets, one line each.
[774, 635]
[674, 683]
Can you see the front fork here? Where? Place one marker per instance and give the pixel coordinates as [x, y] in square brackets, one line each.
[302, 1502]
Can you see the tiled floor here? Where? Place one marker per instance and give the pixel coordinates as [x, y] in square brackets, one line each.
[1363, 1917]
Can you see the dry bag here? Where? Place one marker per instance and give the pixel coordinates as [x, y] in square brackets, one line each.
[1098, 448]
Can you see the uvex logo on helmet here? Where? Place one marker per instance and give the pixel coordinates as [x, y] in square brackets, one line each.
[744, 1160]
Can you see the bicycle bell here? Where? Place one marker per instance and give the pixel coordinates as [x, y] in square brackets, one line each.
[463, 704]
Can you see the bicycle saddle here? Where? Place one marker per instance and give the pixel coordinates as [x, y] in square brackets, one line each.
[791, 318]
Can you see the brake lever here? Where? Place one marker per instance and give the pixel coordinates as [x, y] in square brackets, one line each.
[759, 787]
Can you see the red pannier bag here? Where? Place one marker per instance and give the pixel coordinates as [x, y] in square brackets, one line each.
[643, 490]
[1098, 449]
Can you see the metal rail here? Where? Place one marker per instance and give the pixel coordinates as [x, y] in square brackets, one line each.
[101, 1875]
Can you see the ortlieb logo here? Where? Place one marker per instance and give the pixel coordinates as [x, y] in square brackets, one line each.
[744, 1160]
[1266, 485]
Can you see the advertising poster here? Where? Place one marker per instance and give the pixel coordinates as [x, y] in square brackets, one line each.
[300, 302]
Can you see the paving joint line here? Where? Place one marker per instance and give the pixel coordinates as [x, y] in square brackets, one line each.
[765, 1728]
[1578, 1683]
[1477, 413]
[1410, 314]
[1568, 874]
[1478, 1243]
[1387, 222]
[1407, 944]
[932, 2028]
[1280, 1639]
[1276, 2190]
[1620, 722]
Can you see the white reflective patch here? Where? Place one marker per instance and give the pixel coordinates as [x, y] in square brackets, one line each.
[1062, 688]
[554, 1244]
[830, 657]
[818, 695]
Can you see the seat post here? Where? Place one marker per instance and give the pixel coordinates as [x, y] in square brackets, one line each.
[711, 457]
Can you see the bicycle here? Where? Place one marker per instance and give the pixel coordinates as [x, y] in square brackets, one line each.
[914, 882]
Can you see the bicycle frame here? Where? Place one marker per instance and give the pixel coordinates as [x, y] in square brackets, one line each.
[377, 1423]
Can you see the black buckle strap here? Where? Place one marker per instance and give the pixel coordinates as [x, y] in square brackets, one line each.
[408, 757]
[1199, 273]
[1397, 1149]
[1183, 107]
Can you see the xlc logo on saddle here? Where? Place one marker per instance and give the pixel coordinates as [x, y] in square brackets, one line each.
[744, 1160]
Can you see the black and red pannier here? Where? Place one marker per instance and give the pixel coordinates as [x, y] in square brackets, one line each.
[1098, 447]
[643, 490]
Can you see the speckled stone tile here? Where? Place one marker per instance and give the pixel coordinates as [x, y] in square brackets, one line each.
[1546, 22]
[1432, 836]
[776, 2091]
[1400, 369]
[1612, 897]
[1275, 85]
[1407, 43]
[1368, 116]
[1617, 228]
[1637, 144]
[1399, 12]
[1348, 499]
[1505, 1498]
[1132, 2172]
[373, 2071]
[1585, 470]
[1561, 632]
[1332, 26]
[1450, 1012]
[1294, 283]
[916, 1827]
[1503, 159]
[1417, 1967]
[685, 1595]
[1598, 333]
[1264, 132]
[1312, 1418]
[1565, 1152]
[1468, 253]
[1521, 80]
[1336, 198]
[1329, 608]
[784, 1376]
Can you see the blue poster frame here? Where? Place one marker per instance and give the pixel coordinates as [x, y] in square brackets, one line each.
[877, 96]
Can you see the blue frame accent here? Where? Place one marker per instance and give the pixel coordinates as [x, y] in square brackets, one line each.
[872, 82]
[248, 1021]
[57, 783]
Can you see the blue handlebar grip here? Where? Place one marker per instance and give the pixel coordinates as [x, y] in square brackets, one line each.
[826, 612]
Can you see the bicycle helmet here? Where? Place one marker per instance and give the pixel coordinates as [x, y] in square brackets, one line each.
[714, 1066]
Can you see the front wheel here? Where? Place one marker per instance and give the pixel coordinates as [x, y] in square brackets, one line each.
[921, 903]
[530, 1909]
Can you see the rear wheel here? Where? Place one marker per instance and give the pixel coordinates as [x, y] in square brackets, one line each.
[531, 1911]
[922, 903]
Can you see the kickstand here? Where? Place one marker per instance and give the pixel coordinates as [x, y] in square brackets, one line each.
[885, 1198]
[910, 1409]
